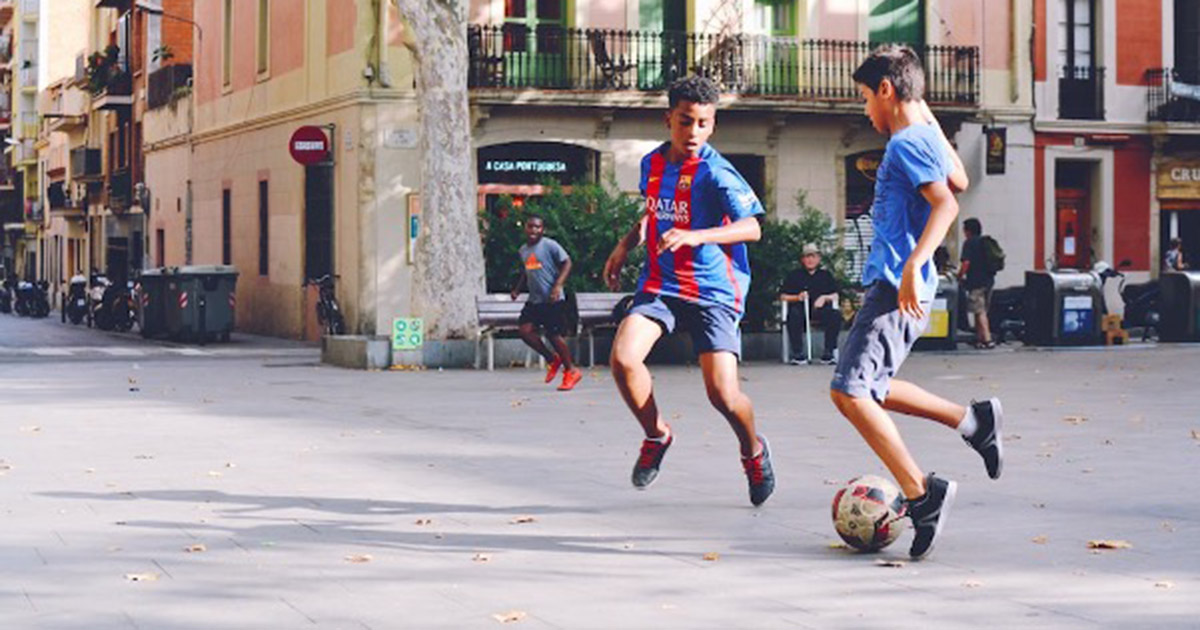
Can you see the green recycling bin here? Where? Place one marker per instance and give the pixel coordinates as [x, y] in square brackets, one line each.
[152, 302]
[201, 302]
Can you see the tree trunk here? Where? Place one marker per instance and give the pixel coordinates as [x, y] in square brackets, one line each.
[449, 257]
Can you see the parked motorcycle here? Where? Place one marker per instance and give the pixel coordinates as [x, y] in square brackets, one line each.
[31, 299]
[1137, 303]
[75, 306]
[116, 310]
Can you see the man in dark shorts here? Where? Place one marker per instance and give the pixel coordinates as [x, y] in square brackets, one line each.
[545, 266]
[914, 207]
[700, 213]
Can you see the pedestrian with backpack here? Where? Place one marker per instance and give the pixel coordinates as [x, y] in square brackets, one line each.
[982, 258]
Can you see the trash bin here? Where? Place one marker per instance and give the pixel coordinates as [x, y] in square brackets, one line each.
[1179, 306]
[1062, 308]
[204, 302]
[943, 317]
[152, 301]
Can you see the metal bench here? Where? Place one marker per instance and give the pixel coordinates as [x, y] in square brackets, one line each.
[497, 311]
[595, 311]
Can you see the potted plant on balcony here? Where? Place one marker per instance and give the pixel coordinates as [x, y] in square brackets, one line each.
[103, 70]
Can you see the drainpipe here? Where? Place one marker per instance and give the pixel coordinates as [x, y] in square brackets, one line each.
[1014, 53]
[381, 44]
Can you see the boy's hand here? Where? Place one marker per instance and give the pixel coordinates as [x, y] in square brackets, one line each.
[513, 294]
[612, 267]
[555, 292]
[908, 302]
[675, 238]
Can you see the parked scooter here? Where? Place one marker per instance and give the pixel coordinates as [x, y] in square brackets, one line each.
[115, 309]
[31, 299]
[75, 306]
[6, 296]
[1136, 303]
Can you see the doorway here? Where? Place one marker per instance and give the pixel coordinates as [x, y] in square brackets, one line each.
[1073, 246]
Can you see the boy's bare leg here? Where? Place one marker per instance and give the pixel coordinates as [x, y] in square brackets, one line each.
[910, 399]
[564, 353]
[635, 338]
[530, 336]
[721, 383]
[880, 433]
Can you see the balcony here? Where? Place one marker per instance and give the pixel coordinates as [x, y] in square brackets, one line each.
[24, 153]
[164, 83]
[29, 9]
[513, 57]
[1173, 95]
[66, 109]
[119, 191]
[1081, 93]
[6, 40]
[115, 93]
[86, 164]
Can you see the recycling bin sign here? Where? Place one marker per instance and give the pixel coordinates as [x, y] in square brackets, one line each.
[408, 333]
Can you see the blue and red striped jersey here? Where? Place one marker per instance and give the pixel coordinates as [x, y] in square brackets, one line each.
[701, 192]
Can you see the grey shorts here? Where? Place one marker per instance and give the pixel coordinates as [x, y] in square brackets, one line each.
[713, 328]
[879, 341]
[978, 300]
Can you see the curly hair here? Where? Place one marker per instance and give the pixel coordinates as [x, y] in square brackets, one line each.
[898, 64]
[701, 90]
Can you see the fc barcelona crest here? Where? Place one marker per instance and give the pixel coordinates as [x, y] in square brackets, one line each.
[685, 182]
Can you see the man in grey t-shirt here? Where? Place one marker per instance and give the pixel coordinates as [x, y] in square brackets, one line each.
[545, 266]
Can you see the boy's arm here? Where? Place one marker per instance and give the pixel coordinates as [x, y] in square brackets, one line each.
[745, 230]
[520, 284]
[943, 208]
[616, 260]
[561, 281]
[958, 176]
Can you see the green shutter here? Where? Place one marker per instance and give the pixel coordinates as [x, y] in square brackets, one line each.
[897, 21]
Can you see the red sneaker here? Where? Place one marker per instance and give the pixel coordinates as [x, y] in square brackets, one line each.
[552, 369]
[570, 380]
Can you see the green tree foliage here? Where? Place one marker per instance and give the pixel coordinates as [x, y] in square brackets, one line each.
[587, 221]
[778, 253]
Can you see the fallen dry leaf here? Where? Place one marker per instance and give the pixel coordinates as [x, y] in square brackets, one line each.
[359, 558]
[522, 519]
[1040, 540]
[1076, 420]
[1164, 584]
[1167, 526]
[712, 556]
[838, 545]
[482, 557]
[511, 616]
[832, 482]
[31, 429]
[972, 584]
[895, 564]
[214, 473]
[197, 548]
[1195, 434]
[141, 577]
[1109, 544]
[423, 521]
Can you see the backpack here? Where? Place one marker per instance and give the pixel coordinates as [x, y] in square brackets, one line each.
[994, 254]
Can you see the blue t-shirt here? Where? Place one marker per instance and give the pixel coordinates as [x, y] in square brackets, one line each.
[701, 192]
[914, 156]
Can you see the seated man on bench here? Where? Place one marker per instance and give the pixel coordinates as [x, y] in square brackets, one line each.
[819, 287]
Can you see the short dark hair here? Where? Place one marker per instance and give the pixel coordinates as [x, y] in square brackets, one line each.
[973, 226]
[1176, 242]
[533, 216]
[702, 90]
[898, 64]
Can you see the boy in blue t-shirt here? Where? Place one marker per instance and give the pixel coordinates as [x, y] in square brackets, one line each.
[914, 207]
[699, 215]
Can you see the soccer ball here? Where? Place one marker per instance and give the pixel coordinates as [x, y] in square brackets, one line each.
[868, 513]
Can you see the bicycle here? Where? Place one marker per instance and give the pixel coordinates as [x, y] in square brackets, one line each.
[329, 313]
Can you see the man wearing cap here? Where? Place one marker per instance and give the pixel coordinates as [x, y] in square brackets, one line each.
[821, 290]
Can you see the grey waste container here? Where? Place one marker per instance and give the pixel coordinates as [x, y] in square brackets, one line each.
[1062, 308]
[943, 317]
[1179, 306]
[204, 303]
[152, 302]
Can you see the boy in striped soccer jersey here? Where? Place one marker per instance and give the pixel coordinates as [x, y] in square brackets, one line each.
[699, 215]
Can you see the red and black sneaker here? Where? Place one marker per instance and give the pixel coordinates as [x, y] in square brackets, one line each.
[552, 369]
[760, 474]
[646, 467]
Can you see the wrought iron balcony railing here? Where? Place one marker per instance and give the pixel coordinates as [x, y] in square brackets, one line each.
[1173, 95]
[512, 56]
[1081, 93]
[164, 81]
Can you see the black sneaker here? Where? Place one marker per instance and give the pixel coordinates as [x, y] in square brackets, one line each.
[928, 513]
[987, 439]
[829, 359]
[645, 469]
[760, 474]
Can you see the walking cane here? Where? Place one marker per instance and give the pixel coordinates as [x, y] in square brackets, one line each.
[807, 329]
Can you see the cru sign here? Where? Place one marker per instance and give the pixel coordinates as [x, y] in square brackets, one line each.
[309, 145]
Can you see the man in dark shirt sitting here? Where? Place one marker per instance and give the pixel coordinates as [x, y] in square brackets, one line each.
[819, 286]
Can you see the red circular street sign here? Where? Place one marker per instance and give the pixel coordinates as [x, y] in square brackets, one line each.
[309, 145]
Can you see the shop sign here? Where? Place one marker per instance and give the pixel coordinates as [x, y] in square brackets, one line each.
[1179, 178]
[997, 149]
[536, 162]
